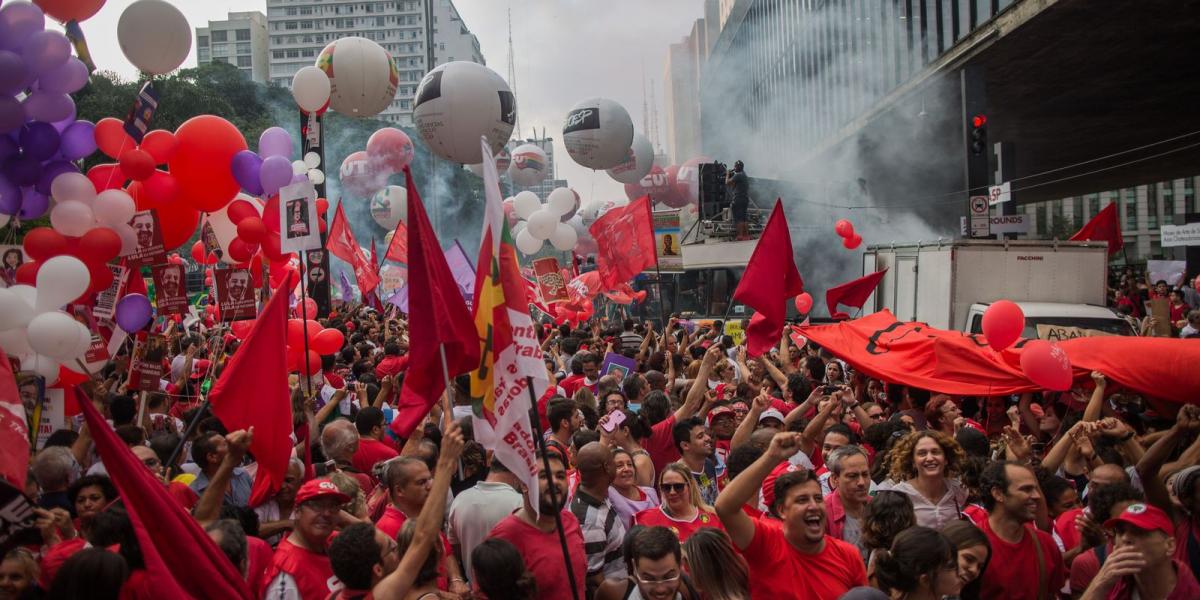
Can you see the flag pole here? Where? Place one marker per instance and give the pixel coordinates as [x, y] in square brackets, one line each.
[304, 315]
[447, 408]
[537, 435]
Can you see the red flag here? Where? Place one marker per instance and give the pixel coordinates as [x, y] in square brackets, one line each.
[761, 287]
[852, 293]
[342, 244]
[398, 249]
[1105, 226]
[438, 318]
[625, 242]
[253, 392]
[14, 434]
[178, 554]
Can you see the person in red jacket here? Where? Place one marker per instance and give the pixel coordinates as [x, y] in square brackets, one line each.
[301, 567]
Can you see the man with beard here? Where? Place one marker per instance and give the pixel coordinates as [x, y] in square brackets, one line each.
[794, 558]
[172, 279]
[696, 450]
[239, 283]
[301, 568]
[1021, 554]
[535, 537]
[143, 227]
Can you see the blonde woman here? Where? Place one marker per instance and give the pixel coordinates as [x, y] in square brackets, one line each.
[682, 510]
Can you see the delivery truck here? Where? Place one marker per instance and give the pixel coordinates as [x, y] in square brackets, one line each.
[1062, 287]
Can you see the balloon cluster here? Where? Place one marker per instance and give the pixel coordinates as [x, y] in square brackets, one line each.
[32, 326]
[660, 185]
[39, 136]
[322, 341]
[845, 229]
[365, 172]
[1041, 362]
[546, 221]
[135, 162]
[262, 173]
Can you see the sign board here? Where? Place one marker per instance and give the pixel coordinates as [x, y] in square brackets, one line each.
[1170, 271]
[1160, 309]
[666, 241]
[1058, 333]
[734, 330]
[1180, 235]
[298, 224]
[1009, 224]
[550, 280]
[999, 194]
[980, 223]
[617, 364]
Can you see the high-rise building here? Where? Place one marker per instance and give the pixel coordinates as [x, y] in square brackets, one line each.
[300, 29]
[681, 93]
[240, 40]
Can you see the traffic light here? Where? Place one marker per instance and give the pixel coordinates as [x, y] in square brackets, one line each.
[978, 134]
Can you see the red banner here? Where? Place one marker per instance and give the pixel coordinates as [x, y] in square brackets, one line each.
[625, 242]
[963, 364]
[550, 280]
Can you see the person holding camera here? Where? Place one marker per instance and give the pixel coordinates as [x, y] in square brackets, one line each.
[739, 188]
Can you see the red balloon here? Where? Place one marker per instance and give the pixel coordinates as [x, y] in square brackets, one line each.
[43, 243]
[1003, 323]
[329, 341]
[70, 10]
[201, 164]
[161, 144]
[314, 362]
[844, 228]
[252, 229]
[101, 275]
[322, 206]
[100, 244]
[295, 333]
[270, 213]
[160, 188]
[106, 177]
[1047, 365]
[804, 303]
[310, 307]
[240, 209]
[241, 251]
[852, 242]
[657, 184]
[137, 164]
[312, 327]
[271, 250]
[361, 175]
[391, 147]
[293, 359]
[27, 272]
[241, 329]
[111, 137]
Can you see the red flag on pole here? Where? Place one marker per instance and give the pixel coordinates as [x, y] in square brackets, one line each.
[438, 319]
[1105, 226]
[398, 248]
[852, 293]
[178, 554]
[342, 244]
[260, 366]
[769, 281]
[625, 242]
[14, 434]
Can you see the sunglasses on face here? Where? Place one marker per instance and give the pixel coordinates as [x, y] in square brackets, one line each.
[673, 488]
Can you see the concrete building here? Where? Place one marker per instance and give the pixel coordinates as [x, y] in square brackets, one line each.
[300, 29]
[241, 40]
[681, 94]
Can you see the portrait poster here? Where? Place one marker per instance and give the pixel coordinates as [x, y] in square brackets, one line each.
[617, 364]
[667, 240]
[235, 294]
[170, 289]
[11, 259]
[550, 280]
[149, 249]
[97, 352]
[146, 369]
[52, 415]
[299, 228]
[106, 301]
[32, 391]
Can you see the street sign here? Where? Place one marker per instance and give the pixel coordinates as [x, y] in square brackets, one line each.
[980, 225]
[999, 194]
[1010, 224]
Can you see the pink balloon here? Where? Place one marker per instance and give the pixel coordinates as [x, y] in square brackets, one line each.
[392, 147]
[1003, 322]
[1047, 365]
[804, 303]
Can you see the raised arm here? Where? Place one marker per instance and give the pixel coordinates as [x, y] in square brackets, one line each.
[745, 486]
[812, 433]
[1095, 404]
[208, 508]
[1150, 467]
[742, 434]
[779, 377]
[695, 395]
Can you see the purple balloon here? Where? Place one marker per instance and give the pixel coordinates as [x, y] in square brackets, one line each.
[18, 21]
[246, 167]
[68, 78]
[45, 51]
[14, 77]
[10, 197]
[39, 140]
[51, 170]
[44, 106]
[275, 141]
[276, 172]
[23, 169]
[8, 147]
[78, 140]
[134, 313]
[33, 204]
[12, 114]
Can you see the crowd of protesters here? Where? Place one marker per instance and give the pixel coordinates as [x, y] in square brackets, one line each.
[701, 474]
[1131, 298]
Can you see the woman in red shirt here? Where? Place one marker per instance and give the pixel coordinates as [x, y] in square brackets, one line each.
[682, 510]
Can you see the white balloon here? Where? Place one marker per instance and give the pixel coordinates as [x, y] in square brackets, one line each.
[72, 218]
[529, 165]
[61, 280]
[54, 334]
[542, 224]
[588, 212]
[389, 206]
[316, 176]
[310, 89]
[299, 168]
[4, 219]
[561, 201]
[81, 346]
[154, 36]
[518, 228]
[128, 238]
[73, 186]
[42, 365]
[15, 313]
[598, 133]
[362, 76]
[15, 342]
[113, 207]
[528, 244]
[312, 160]
[564, 237]
[526, 203]
[459, 102]
[637, 163]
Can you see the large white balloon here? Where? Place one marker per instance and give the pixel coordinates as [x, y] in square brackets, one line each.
[42, 365]
[542, 224]
[54, 334]
[529, 165]
[154, 36]
[389, 206]
[561, 201]
[362, 76]
[526, 203]
[457, 103]
[598, 133]
[310, 89]
[15, 312]
[637, 163]
[73, 186]
[61, 280]
[15, 342]
[528, 244]
[564, 237]
[72, 218]
[113, 207]
[589, 212]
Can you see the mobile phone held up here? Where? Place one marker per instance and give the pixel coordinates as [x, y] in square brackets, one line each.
[614, 421]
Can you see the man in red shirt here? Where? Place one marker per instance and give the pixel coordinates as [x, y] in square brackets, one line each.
[373, 444]
[408, 482]
[301, 568]
[588, 378]
[1141, 563]
[793, 558]
[536, 538]
[393, 362]
[1026, 563]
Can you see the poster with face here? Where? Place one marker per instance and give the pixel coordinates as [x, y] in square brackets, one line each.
[149, 249]
[208, 237]
[298, 226]
[32, 390]
[147, 367]
[11, 259]
[170, 292]
[235, 294]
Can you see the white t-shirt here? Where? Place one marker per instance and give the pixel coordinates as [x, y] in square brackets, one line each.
[476, 511]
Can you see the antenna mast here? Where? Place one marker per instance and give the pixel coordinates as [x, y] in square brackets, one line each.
[512, 73]
[654, 120]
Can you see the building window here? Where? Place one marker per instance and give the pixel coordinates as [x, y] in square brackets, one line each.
[220, 36]
[243, 35]
[1152, 207]
[202, 55]
[293, 54]
[290, 25]
[220, 49]
[243, 61]
[201, 40]
[277, 54]
[243, 48]
[1130, 213]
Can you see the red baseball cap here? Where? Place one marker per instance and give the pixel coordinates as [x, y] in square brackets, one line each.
[200, 368]
[1144, 516]
[319, 488]
[718, 411]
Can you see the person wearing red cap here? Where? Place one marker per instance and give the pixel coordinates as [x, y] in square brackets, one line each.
[1141, 564]
[301, 567]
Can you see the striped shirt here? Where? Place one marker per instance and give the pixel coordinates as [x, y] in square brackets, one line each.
[603, 534]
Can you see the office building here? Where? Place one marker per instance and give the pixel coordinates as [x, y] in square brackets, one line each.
[240, 40]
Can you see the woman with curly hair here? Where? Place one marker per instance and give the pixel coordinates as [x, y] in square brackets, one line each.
[925, 467]
[888, 513]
